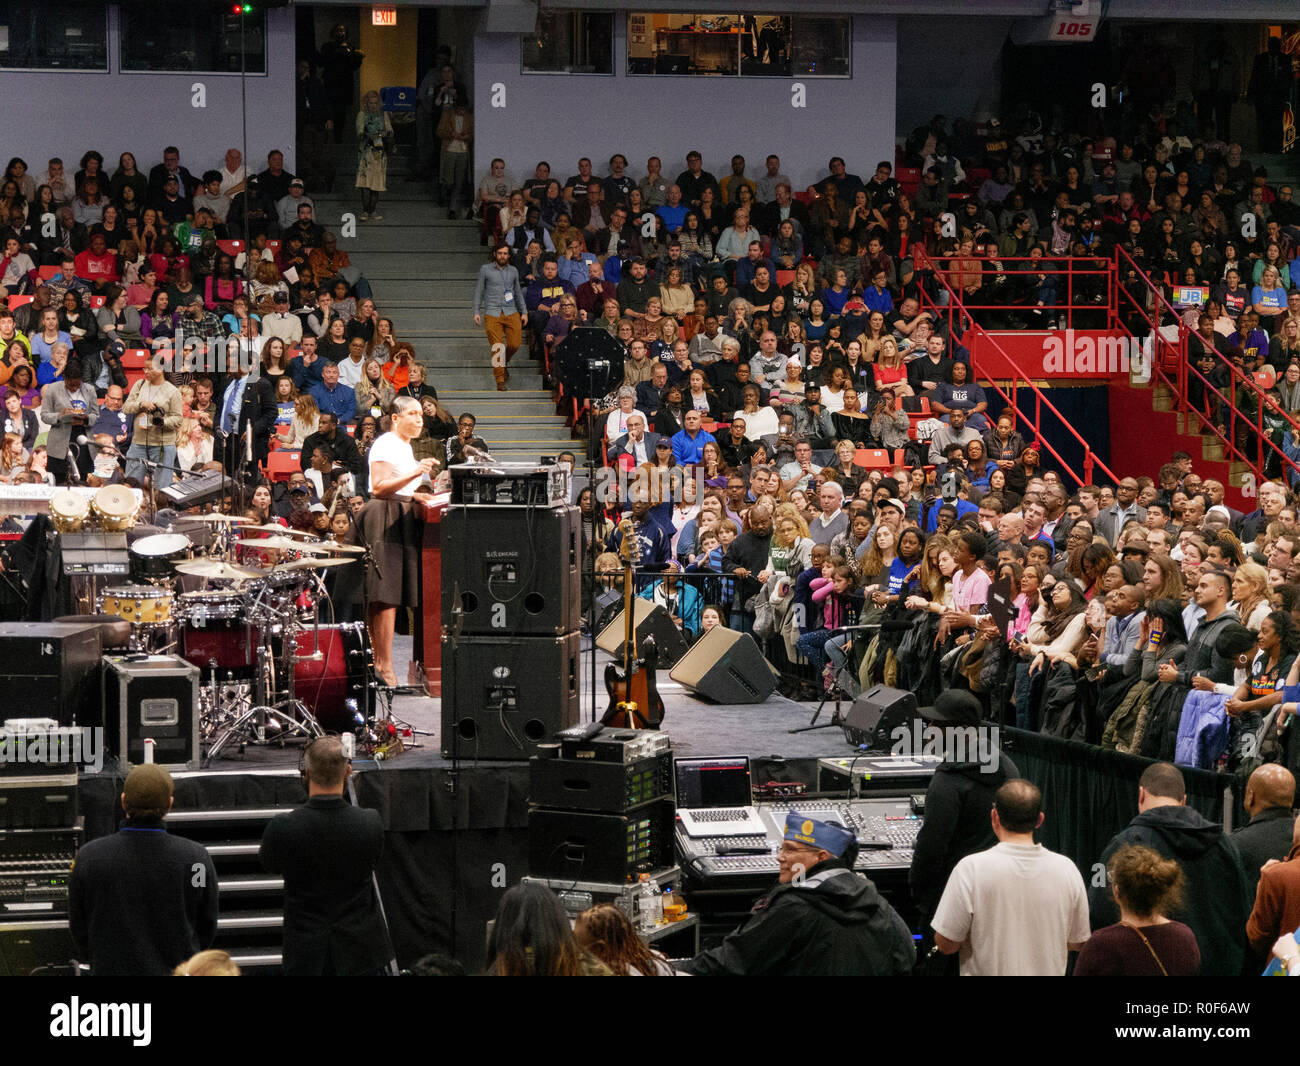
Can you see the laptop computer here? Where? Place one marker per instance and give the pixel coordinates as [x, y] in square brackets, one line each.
[715, 797]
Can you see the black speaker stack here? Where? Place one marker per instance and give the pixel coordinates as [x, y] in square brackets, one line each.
[601, 806]
[511, 607]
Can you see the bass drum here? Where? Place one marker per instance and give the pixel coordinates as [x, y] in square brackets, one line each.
[335, 687]
[152, 557]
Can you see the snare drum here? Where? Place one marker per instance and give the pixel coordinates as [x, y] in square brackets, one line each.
[152, 557]
[213, 630]
[335, 687]
[138, 604]
[116, 507]
[68, 511]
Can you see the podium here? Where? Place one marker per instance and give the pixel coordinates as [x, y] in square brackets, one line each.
[427, 644]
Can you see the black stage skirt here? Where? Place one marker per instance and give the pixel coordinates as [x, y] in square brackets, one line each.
[391, 530]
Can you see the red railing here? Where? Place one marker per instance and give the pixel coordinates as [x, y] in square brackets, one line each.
[964, 325]
[1069, 278]
[1171, 364]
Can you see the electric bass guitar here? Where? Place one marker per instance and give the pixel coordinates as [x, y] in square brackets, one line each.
[634, 701]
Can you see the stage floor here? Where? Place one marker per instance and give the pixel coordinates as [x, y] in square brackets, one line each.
[697, 727]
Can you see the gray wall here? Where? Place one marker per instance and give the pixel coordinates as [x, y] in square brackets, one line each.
[67, 113]
[562, 118]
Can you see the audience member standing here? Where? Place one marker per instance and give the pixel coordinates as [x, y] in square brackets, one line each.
[1214, 903]
[327, 851]
[141, 901]
[1144, 942]
[1016, 909]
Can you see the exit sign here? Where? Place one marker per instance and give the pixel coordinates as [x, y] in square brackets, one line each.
[383, 16]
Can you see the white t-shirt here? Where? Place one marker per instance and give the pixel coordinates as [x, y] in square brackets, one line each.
[391, 449]
[1014, 908]
[350, 372]
[762, 423]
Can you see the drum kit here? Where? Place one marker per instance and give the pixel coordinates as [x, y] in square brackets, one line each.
[242, 603]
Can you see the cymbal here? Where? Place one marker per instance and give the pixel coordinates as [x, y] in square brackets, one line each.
[216, 570]
[283, 544]
[214, 517]
[343, 549]
[312, 564]
[283, 531]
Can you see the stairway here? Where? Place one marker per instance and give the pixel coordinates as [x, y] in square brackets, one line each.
[422, 267]
[250, 925]
[1147, 428]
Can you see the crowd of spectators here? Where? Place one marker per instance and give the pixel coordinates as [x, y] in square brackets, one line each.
[214, 303]
[813, 452]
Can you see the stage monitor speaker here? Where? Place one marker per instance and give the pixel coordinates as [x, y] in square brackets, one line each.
[517, 570]
[607, 605]
[876, 714]
[726, 667]
[652, 621]
[596, 846]
[502, 697]
[50, 669]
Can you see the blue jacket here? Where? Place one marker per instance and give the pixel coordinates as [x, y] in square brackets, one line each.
[689, 450]
[1202, 730]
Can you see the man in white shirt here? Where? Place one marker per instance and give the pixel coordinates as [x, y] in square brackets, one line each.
[232, 174]
[351, 367]
[282, 323]
[1017, 909]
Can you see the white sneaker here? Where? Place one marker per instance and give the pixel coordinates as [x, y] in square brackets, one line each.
[376, 217]
[365, 216]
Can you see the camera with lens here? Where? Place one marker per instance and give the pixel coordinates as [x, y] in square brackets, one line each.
[156, 420]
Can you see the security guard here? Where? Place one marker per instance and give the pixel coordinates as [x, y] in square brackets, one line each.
[821, 920]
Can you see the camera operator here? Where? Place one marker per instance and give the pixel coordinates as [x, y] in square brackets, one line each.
[155, 406]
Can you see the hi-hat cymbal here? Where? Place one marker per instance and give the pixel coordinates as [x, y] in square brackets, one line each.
[342, 549]
[216, 570]
[312, 564]
[283, 544]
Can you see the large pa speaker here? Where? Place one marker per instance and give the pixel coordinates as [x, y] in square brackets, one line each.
[726, 667]
[503, 696]
[516, 570]
[50, 670]
[876, 714]
[650, 620]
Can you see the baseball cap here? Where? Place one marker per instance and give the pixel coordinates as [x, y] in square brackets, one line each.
[281, 297]
[827, 836]
[298, 182]
[317, 508]
[896, 503]
[300, 488]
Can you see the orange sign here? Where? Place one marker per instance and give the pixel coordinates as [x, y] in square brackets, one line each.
[383, 16]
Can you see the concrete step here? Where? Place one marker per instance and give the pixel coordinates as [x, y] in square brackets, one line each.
[377, 238]
[419, 289]
[422, 262]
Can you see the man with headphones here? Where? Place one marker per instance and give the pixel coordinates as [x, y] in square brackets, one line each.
[327, 851]
[821, 920]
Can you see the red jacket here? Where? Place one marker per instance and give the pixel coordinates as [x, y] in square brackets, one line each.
[1277, 903]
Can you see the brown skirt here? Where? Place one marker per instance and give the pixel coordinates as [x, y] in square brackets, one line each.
[390, 529]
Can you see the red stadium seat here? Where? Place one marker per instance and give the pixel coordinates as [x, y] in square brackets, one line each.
[281, 464]
[873, 459]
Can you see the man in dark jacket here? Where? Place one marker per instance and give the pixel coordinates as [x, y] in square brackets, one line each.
[1270, 792]
[141, 902]
[821, 920]
[957, 804]
[1215, 904]
[746, 558]
[327, 851]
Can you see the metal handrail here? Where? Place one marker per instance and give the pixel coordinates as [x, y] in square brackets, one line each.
[1185, 371]
[1089, 458]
